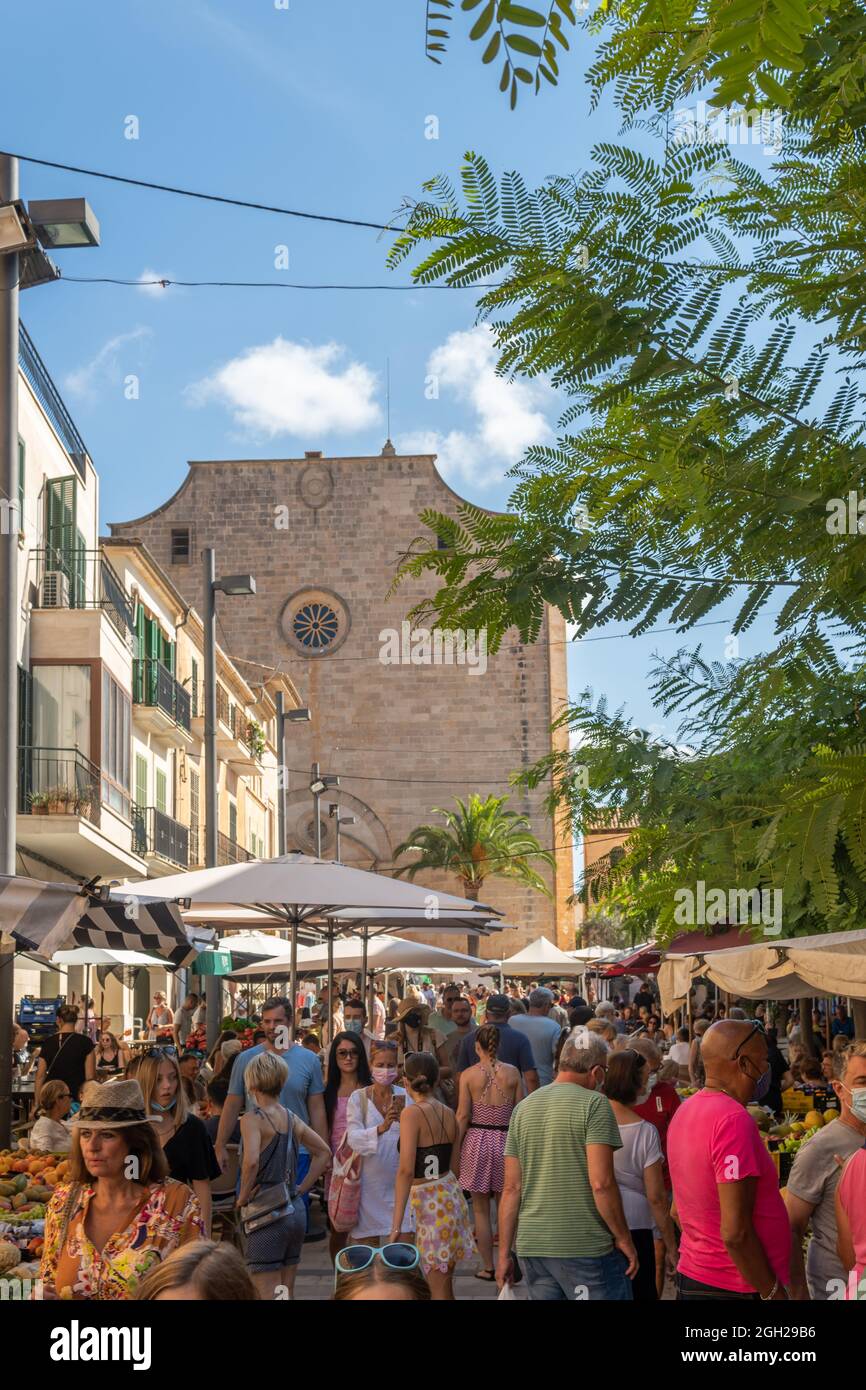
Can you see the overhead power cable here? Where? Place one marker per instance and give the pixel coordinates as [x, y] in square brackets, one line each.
[204, 197]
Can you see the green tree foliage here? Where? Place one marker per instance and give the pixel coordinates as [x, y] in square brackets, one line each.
[668, 299]
[479, 840]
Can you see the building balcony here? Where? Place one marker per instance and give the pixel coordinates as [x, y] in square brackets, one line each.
[162, 704]
[74, 578]
[229, 852]
[61, 816]
[161, 841]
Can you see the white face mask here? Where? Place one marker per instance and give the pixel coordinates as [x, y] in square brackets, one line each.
[642, 1096]
[652, 1081]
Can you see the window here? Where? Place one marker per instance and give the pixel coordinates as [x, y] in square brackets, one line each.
[315, 625]
[180, 546]
[233, 822]
[115, 746]
[61, 707]
[194, 692]
[161, 790]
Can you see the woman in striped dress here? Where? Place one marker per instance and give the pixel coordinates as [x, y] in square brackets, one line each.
[489, 1092]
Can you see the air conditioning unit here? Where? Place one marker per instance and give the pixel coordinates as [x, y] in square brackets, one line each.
[54, 590]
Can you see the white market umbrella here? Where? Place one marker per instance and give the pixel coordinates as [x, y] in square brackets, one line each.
[540, 957]
[383, 953]
[304, 891]
[595, 955]
[256, 943]
[94, 955]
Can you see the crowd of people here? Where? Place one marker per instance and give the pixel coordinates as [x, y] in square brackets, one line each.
[536, 1134]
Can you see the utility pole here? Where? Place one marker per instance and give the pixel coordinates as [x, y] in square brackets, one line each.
[8, 622]
[232, 584]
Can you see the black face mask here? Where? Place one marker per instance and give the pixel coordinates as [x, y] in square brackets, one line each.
[413, 1019]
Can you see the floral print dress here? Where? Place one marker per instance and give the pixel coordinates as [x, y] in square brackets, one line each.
[168, 1217]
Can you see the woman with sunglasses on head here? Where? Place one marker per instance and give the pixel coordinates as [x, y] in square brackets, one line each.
[185, 1141]
[348, 1071]
[393, 1273]
[429, 1149]
[49, 1134]
[120, 1214]
[373, 1131]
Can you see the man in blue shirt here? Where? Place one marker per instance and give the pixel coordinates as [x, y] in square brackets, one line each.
[302, 1093]
[513, 1046]
[542, 1031]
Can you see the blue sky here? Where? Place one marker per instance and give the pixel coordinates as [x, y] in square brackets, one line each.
[317, 107]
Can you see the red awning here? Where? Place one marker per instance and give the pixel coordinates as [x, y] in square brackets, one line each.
[644, 962]
[723, 938]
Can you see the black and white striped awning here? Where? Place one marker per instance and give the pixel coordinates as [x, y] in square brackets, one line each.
[49, 917]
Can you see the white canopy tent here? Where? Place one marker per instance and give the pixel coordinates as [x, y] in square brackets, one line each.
[383, 953]
[824, 965]
[540, 957]
[307, 893]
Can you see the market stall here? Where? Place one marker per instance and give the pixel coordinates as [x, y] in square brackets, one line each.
[822, 966]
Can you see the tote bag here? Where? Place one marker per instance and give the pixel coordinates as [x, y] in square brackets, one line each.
[344, 1195]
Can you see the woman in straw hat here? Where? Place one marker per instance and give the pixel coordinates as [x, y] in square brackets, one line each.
[120, 1213]
[415, 1035]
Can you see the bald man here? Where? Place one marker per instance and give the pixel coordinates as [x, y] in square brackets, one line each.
[736, 1240]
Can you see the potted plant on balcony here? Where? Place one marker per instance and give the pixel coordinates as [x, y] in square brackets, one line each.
[82, 803]
[38, 803]
[255, 739]
[58, 801]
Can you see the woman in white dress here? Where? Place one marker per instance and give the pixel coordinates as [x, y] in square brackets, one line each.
[373, 1131]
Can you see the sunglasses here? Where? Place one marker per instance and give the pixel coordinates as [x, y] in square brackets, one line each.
[757, 1027]
[398, 1255]
[348, 1054]
[161, 1052]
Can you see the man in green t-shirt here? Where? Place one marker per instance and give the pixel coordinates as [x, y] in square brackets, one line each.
[560, 1192]
[442, 1020]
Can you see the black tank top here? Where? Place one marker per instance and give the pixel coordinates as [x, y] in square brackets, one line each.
[432, 1160]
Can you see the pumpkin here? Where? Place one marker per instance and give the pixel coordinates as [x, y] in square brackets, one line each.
[10, 1256]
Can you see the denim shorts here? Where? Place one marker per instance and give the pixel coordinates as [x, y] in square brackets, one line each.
[578, 1279]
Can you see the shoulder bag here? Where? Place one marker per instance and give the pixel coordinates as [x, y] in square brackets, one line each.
[272, 1201]
[344, 1194]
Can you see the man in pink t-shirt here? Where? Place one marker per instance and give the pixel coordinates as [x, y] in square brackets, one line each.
[736, 1239]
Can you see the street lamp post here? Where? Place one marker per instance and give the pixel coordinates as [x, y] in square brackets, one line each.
[232, 584]
[284, 717]
[57, 223]
[318, 785]
[339, 819]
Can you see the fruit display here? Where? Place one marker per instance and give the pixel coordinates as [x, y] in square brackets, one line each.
[27, 1183]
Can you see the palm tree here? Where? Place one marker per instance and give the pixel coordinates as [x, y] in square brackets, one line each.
[479, 840]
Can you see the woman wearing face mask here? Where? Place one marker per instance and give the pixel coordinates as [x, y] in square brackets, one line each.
[185, 1141]
[638, 1167]
[414, 1035]
[348, 1071]
[658, 1110]
[373, 1130]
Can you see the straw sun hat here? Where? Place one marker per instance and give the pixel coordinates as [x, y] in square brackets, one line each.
[413, 1001]
[112, 1105]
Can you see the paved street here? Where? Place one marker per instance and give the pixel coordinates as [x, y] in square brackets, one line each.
[316, 1275]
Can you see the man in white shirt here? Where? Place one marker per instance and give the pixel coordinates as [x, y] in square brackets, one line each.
[680, 1050]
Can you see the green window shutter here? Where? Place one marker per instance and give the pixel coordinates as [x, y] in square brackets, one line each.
[140, 621]
[194, 691]
[167, 652]
[161, 788]
[22, 476]
[60, 528]
[140, 780]
[233, 823]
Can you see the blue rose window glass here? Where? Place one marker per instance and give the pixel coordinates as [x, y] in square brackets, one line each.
[315, 626]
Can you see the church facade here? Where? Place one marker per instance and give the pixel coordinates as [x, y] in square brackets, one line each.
[407, 722]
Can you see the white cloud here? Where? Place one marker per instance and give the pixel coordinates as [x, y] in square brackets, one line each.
[86, 378]
[509, 415]
[154, 291]
[294, 388]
